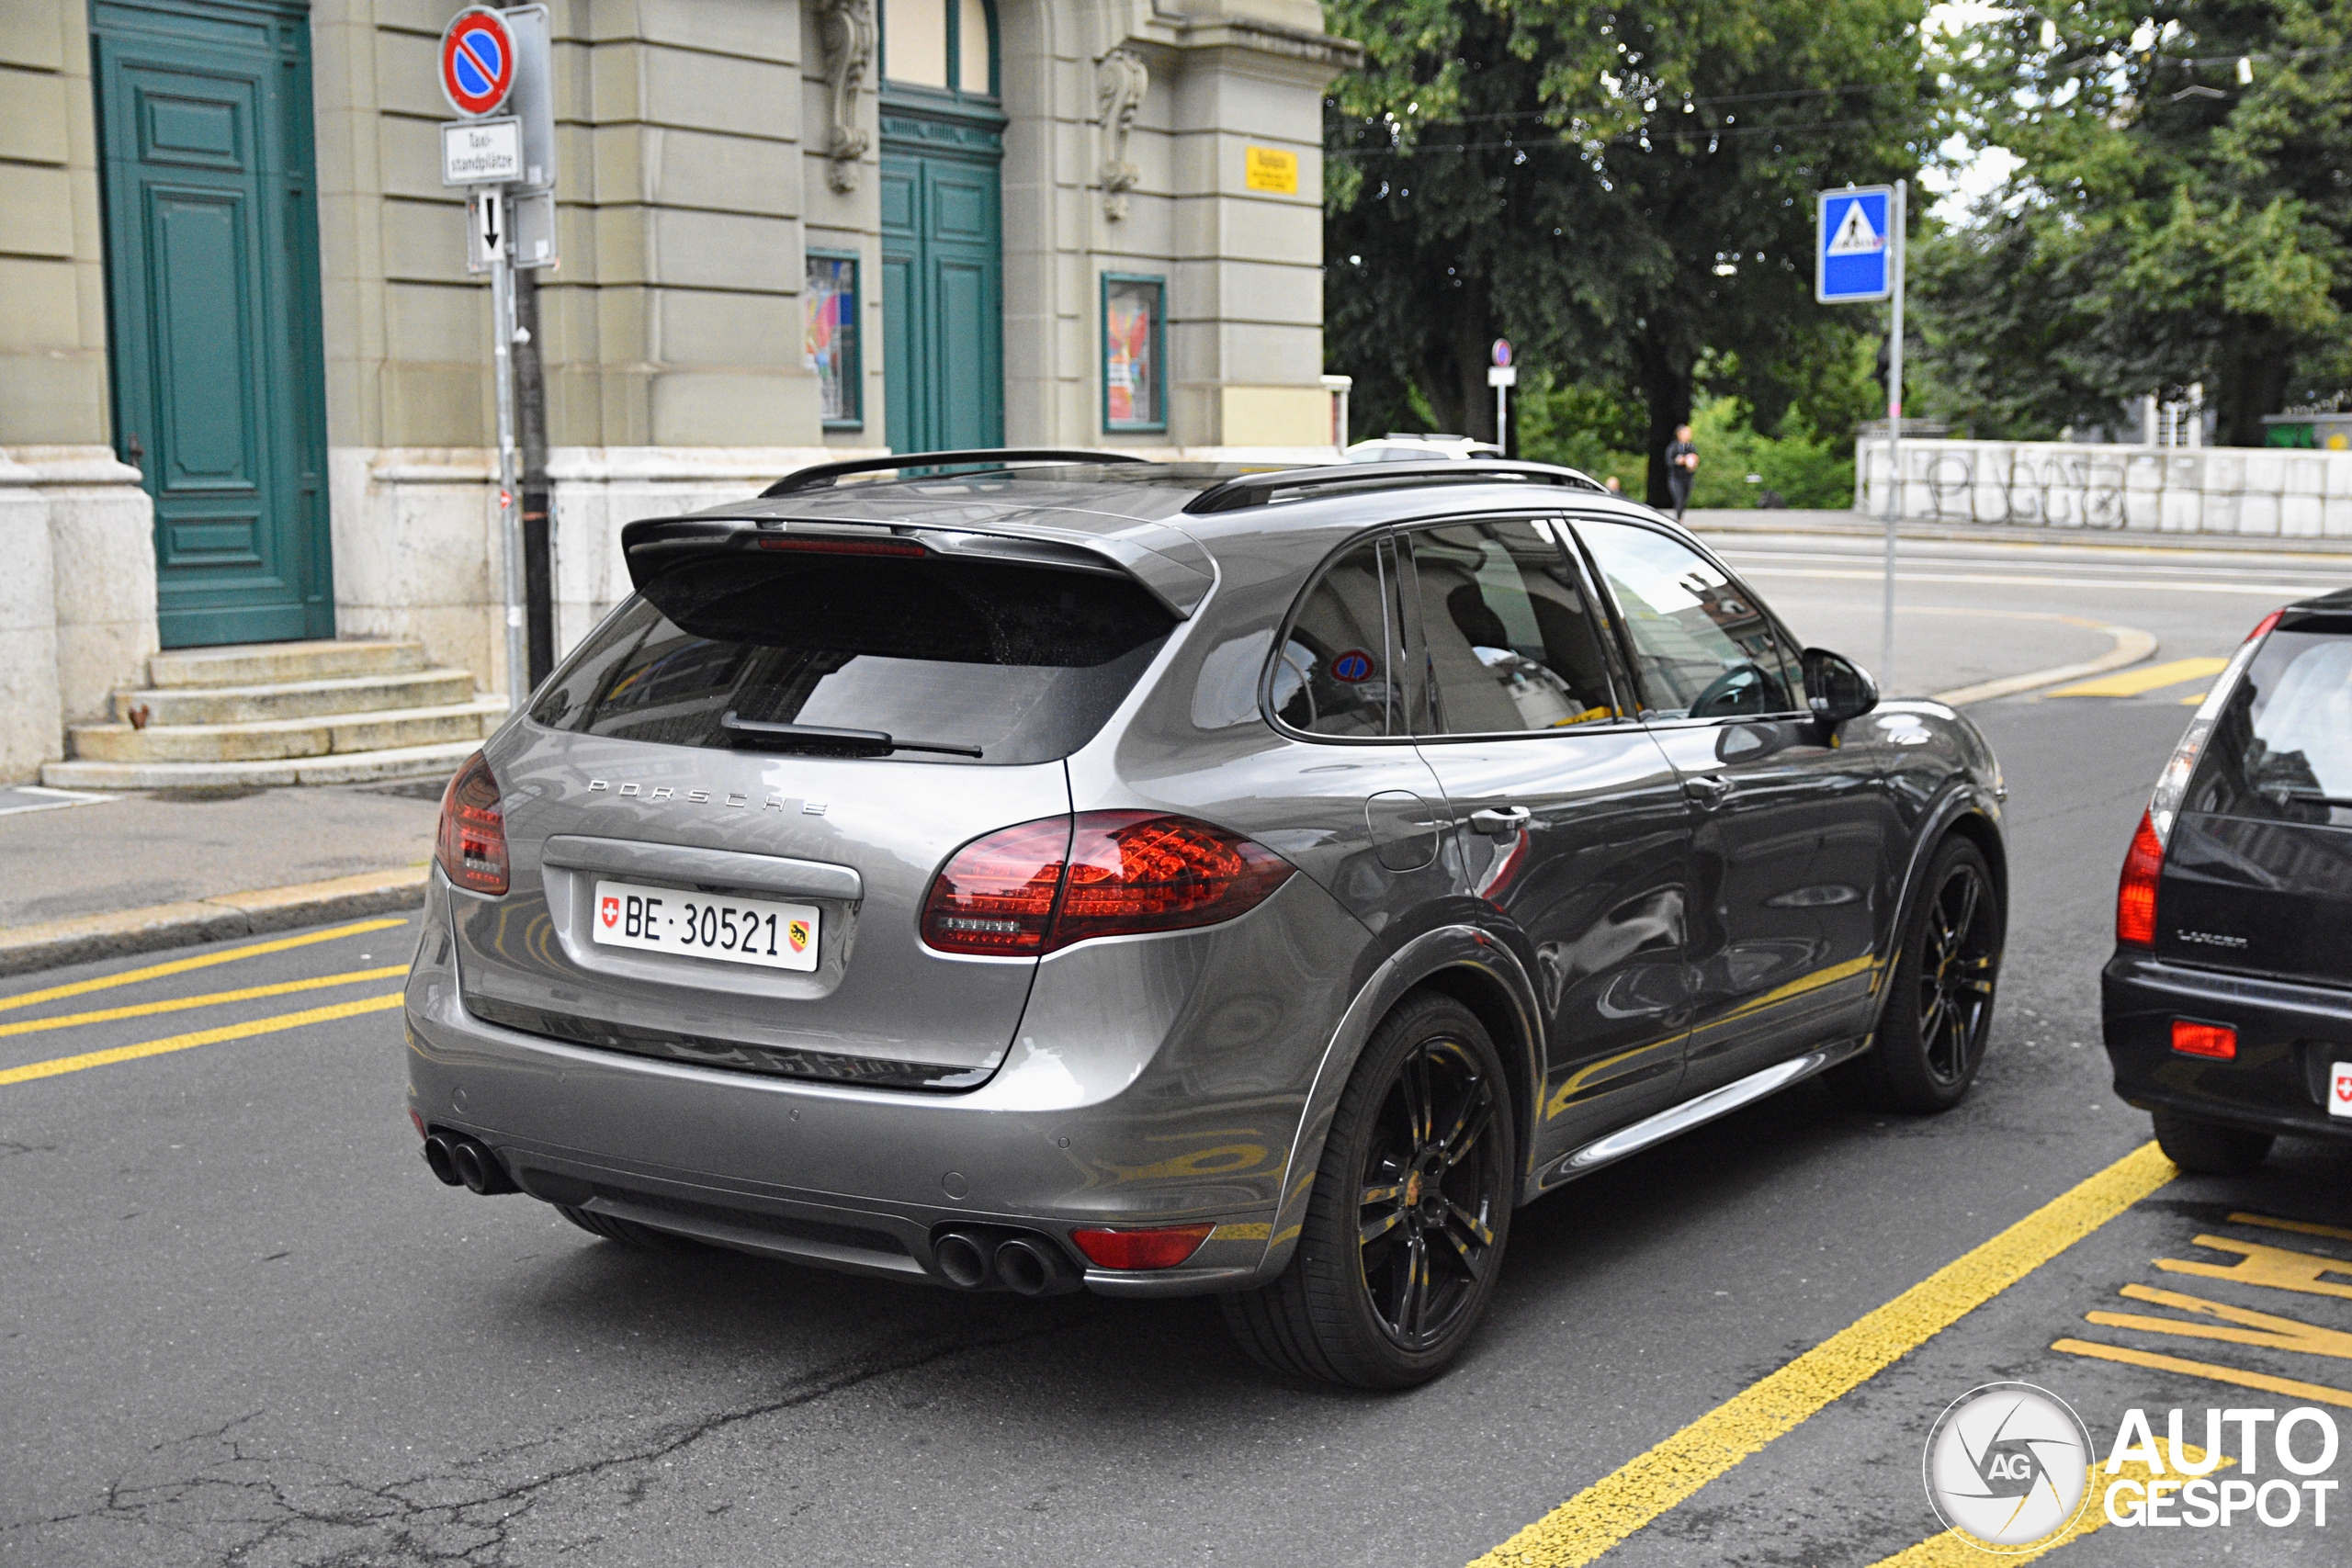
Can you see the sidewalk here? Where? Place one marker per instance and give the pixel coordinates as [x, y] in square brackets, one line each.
[85, 876]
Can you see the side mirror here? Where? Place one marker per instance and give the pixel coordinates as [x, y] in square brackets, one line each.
[1837, 688]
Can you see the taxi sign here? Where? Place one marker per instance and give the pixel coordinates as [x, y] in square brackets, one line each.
[1853, 262]
[477, 61]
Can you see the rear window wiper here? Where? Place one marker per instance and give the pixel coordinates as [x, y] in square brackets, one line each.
[2316, 797]
[761, 732]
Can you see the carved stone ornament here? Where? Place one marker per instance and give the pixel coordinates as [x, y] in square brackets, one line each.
[1120, 82]
[846, 29]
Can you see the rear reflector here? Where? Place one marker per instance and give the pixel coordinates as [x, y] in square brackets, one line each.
[1163, 1247]
[472, 844]
[2217, 1040]
[2135, 897]
[2262, 627]
[1045, 885]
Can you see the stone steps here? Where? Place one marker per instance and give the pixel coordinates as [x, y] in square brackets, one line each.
[275, 714]
[296, 699]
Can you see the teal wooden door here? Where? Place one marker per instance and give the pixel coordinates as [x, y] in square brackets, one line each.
[204, 129]
[942, 280]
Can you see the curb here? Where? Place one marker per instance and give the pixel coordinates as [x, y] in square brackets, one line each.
[56, 943]
[1736, 520]
[2131, 645]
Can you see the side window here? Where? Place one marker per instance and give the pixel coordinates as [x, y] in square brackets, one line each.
[1336, 673]
[1702, 650]
[1512, 641]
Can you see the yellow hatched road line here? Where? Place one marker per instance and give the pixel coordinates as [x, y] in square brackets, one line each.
[181, 965]
[1613, 1508]
[2147, 678]
[52, 1069]
[211, 998]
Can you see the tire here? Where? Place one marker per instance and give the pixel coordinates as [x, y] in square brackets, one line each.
[1939, 1009]
[628, 1233]
[2209, 1148]
[1411, 1204]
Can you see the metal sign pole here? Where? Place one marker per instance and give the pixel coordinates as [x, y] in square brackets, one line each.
[510, 513]
[1893, 438]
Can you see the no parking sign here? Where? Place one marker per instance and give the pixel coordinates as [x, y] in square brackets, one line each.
[477, 61]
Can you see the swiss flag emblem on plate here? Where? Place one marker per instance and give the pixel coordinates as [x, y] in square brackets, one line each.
[612, 910]
[2339, 1090]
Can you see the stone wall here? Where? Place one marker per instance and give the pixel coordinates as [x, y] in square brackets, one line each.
[2262, 492]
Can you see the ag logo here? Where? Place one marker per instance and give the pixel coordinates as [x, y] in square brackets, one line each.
[612, 910]
[2007, 1466]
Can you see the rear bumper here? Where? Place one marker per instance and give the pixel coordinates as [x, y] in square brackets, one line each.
[2289, 1035]
[1153, 1081]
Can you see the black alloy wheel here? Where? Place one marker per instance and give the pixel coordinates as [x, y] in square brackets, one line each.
[1955, 976]
[1430, 1193]
[1938, 1011]
[1408, 1214]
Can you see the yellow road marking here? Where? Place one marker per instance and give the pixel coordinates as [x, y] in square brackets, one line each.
[2207, 1370]
[2263, 1329]
[181, 965]
[1951, 1549]
[1616, 1505]
[52, 1069]
[2195, 699]
[211, 998]
[2306, 1227]
[2147, 678]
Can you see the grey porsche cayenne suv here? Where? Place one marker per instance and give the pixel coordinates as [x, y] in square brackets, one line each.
[1038, 872]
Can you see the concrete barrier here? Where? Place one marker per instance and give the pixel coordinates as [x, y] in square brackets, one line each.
[2260, 492]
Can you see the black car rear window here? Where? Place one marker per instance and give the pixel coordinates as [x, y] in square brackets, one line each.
[1022, 663]
[2282, 748]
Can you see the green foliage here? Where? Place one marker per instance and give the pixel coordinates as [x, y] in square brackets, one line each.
[1802, 469]
[2167, 224]
[1619, 188]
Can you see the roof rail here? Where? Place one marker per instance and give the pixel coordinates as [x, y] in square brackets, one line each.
[822, 475]
[1261, 490]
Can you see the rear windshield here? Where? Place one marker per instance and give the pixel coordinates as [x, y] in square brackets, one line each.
[1018, 663]
[2282, 749]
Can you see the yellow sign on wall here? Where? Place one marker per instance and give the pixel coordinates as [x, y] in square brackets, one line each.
[1269, 169]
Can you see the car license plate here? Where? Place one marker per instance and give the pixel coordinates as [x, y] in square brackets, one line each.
[2339, 1090]
[701, 925]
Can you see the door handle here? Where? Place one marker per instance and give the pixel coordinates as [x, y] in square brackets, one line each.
[1500, 821]
[1707, 789]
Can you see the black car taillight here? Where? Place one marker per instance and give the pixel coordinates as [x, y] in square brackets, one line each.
[2135, 895]
[1045, 885]
[472, 843]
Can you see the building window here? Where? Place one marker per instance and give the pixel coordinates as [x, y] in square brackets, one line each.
[1135, 335]
[830, 346]
[945, 45]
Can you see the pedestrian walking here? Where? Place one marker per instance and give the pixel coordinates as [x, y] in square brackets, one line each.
[1681, 468]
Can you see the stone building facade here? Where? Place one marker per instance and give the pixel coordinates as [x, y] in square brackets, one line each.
[244, 374]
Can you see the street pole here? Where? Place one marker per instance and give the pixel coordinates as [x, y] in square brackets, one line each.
[1893, 440]
[510, 513]
[1502, 424]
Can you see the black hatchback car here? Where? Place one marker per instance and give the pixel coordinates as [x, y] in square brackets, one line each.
[2228, 1004]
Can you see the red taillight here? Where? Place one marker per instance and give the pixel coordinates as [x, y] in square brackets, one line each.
[472, 845]
[1045, 884]
[2263, 625]
[996, 894]
[903, 551]
[2218, 1041]
[1162, 1247]
[2135, 898]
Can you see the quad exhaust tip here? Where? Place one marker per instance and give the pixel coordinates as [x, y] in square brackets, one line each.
[460, 1161]
[1025, 1264]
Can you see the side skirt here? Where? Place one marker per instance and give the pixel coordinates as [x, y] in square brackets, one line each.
[1698, 1111]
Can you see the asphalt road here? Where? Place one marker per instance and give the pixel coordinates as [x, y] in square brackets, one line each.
[239, 1322]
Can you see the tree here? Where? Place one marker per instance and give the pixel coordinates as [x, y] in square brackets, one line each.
[2180, 213]
[1619, 188]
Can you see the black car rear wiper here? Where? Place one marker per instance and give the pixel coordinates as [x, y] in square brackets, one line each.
[759, 732]
[2316, 797]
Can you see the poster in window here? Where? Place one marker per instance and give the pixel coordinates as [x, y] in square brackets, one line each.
[1131, 327]
[830, 349]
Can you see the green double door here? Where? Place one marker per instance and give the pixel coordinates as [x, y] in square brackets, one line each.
[204, 117]
[943, 279]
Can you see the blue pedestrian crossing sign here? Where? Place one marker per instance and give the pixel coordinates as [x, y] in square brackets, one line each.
[1853, 262]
